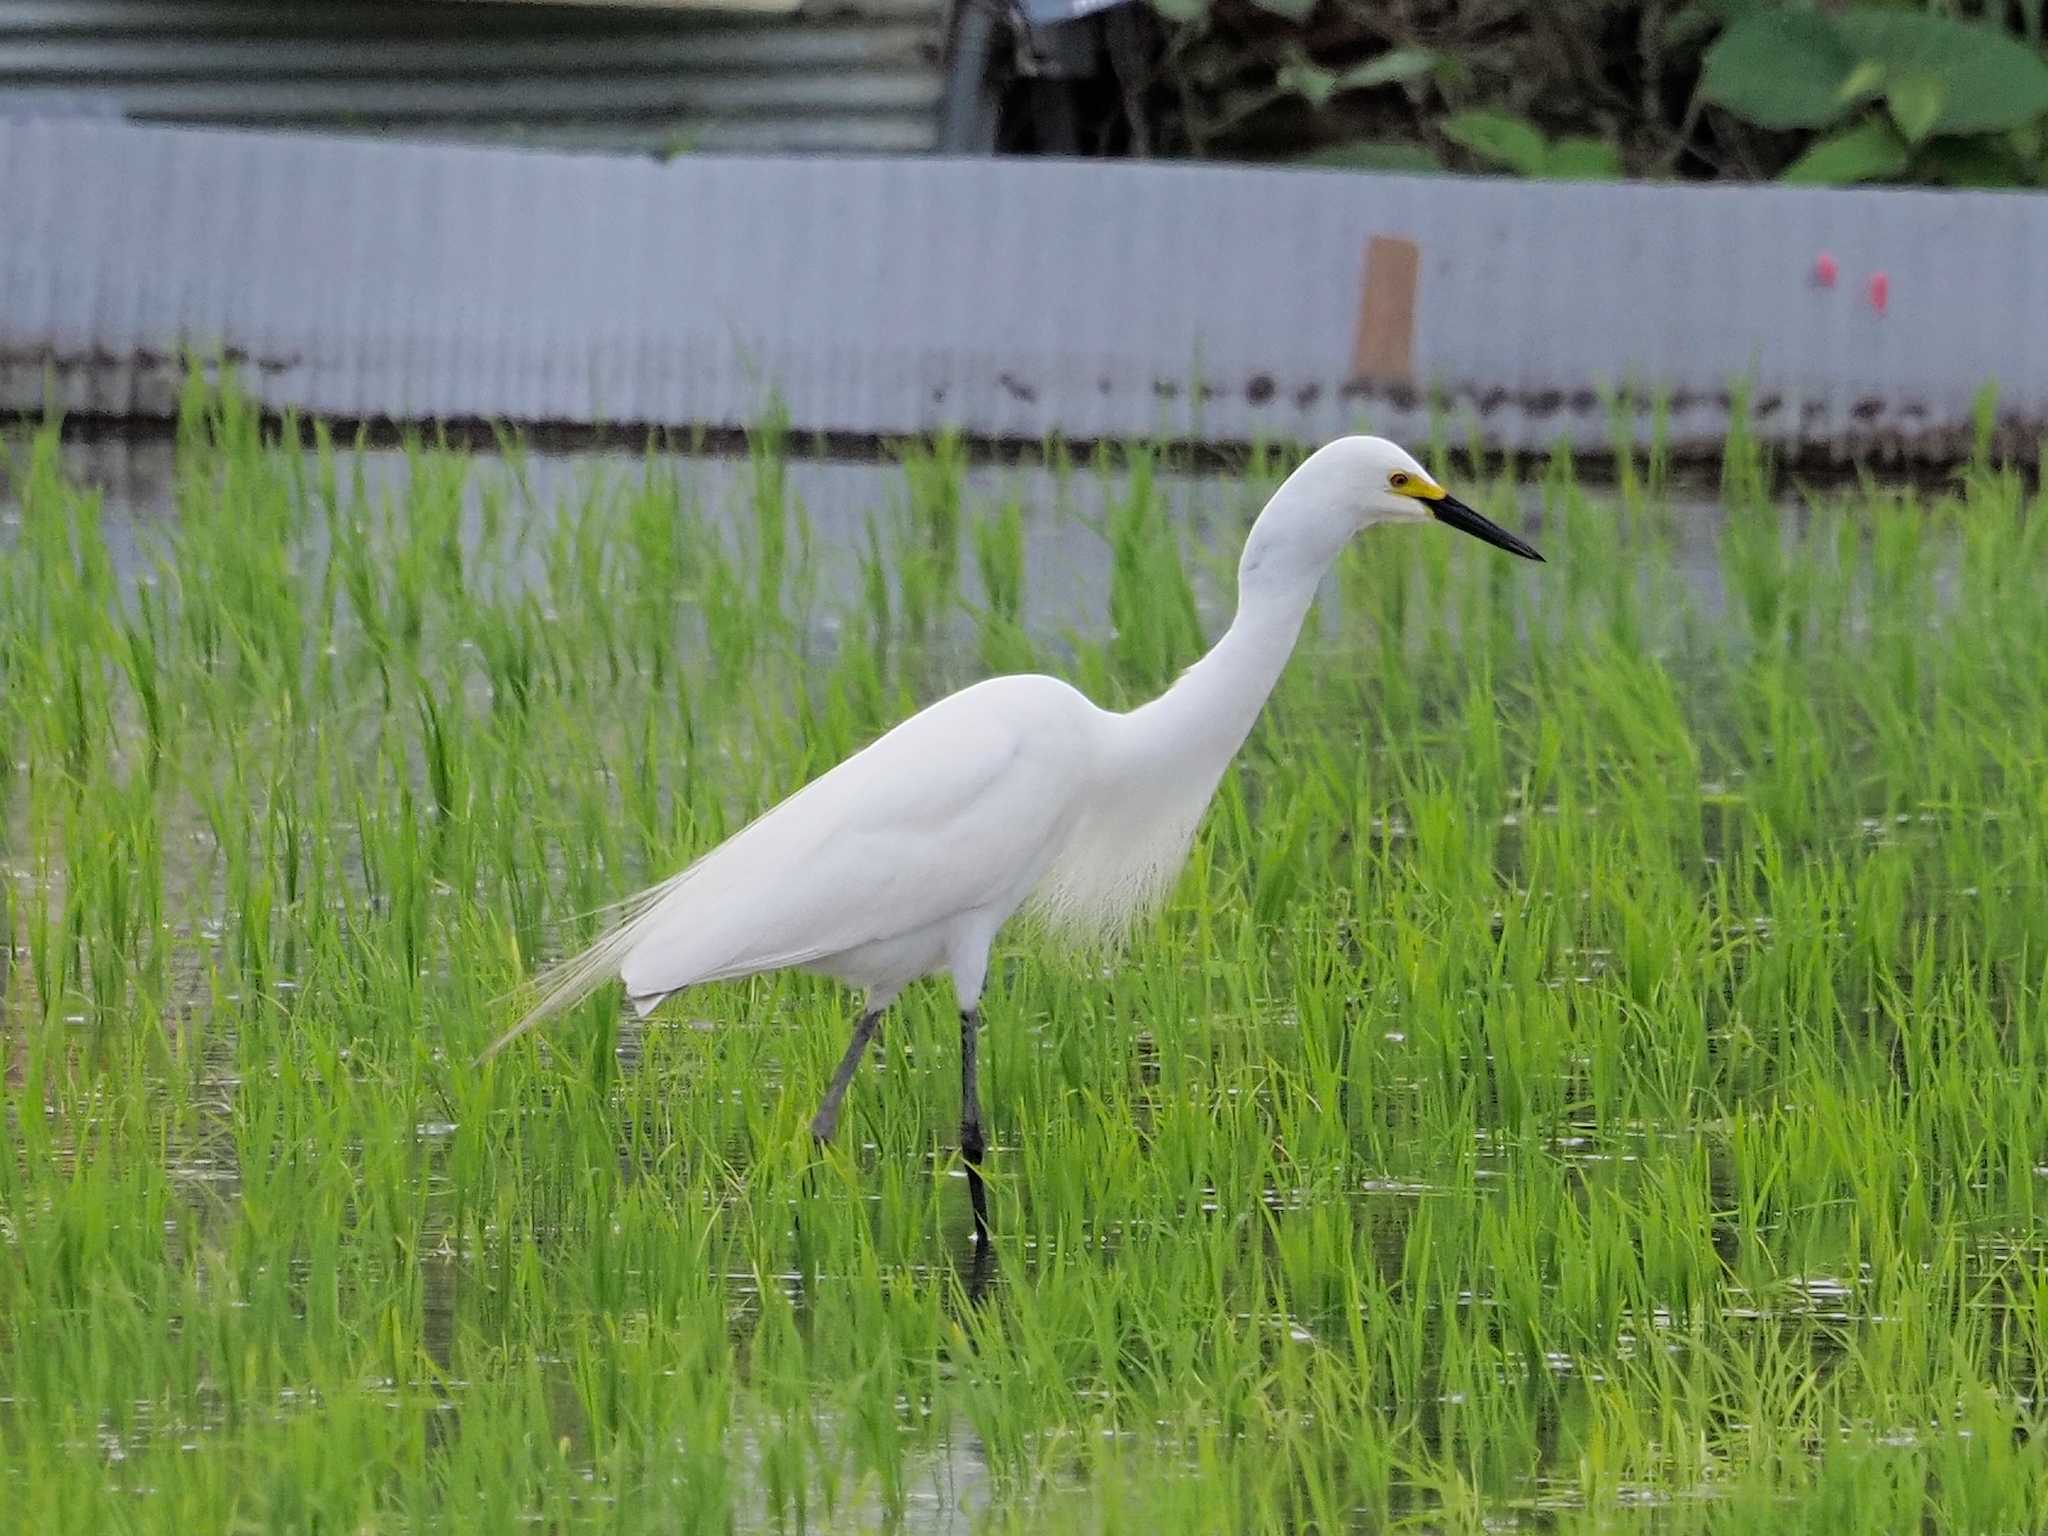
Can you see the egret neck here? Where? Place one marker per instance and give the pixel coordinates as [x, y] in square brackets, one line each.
[1197, 725]
[1195, 728]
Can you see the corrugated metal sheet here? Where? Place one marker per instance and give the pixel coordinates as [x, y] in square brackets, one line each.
[1014, 298]
[844, 75]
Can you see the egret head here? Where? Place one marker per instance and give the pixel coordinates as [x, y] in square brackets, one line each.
[1394, 488]
[1347, 485]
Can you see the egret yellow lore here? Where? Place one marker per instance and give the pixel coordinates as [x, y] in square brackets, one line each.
[907, 858]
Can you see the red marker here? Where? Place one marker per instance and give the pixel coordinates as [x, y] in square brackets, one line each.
[1825, 270]
[1880, 291]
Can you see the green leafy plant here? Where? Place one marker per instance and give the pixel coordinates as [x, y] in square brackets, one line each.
[1317, 85]
[1811, 91]
[1904, 93]
[1347, 82]
[1501, 138]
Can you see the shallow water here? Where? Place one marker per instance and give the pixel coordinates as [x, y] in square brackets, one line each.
[1066, 580]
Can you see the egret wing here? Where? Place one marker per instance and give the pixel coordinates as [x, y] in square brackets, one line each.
[946, 813]
[935, 819]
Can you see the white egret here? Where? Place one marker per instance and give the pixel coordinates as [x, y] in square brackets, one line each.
[907, 858]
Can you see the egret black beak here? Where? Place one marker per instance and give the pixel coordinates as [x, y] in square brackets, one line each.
[1449, 509]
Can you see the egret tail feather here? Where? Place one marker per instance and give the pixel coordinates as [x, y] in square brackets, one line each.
[569, 981]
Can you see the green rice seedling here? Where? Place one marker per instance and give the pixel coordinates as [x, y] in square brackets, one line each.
[1005, 643]
[1589, 1075]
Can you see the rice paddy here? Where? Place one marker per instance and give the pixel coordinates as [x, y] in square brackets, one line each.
[1591, 1075]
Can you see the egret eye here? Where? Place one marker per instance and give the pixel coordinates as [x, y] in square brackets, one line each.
[1398, 479]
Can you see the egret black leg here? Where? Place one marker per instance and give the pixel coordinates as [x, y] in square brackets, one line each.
[826, 1120]
[971, 1144]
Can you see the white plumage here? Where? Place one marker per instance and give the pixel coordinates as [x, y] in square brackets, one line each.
[907, 858]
